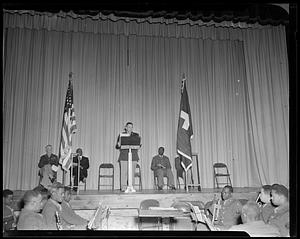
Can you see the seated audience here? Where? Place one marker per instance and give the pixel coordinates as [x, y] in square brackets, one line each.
[84, 165]
[9, 219]
[48, 167]
[30, 217]
[266, 207]
[252, 224]
[162, 168]
[229, 209]
[281, 215]
[53, 205]
[68, 213]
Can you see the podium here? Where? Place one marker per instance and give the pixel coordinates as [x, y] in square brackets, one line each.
[130, 188]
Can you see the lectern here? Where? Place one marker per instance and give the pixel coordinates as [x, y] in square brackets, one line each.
[130, 142]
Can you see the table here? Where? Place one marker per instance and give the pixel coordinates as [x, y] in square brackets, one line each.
[163, 215]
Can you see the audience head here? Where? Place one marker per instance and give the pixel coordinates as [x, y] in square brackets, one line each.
[33, 200]
[7, 196]
[161, 150]
[57, 192]
[79, 151]
[68, 194]
[250, 212]
[226, 192]
[48, 149]
[279, 194]
[265, 193]
[45, 194]
[129, 127]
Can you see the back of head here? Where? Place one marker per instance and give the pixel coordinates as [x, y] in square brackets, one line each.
[280, 190]
[7, 192]
[29, 195]
[250, 212]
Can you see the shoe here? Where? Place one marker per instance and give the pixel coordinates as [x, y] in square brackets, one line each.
[159, 188]
[173, 188]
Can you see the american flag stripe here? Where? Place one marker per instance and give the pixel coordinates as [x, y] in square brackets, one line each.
[68, 129]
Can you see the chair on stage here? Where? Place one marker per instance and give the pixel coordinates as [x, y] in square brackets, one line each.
[152, 222]
[138, 175]
[165, 184]
[221, 171]
[106, 171]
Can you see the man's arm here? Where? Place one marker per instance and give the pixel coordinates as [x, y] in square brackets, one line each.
[42, 162]
[154, 164]
[168, 165]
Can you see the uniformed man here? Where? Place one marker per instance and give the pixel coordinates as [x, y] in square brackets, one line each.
[281, 214]
[228, 209]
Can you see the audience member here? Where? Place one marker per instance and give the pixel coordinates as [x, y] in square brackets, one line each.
[266, 208]
[84, 165]
[68, 213]
[30, 218]
[53, 205]
[9, 219]
[252, 224]
[48, 167]
[229, 209]
[162, 168]
[281, 214]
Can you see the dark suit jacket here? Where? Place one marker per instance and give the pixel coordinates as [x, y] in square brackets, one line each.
[84, 162]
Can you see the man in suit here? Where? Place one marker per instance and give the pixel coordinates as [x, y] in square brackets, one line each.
[84, 165]
[162, 168]
[48, 167]
[123, 157]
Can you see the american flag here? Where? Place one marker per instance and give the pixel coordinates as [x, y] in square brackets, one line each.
[185, 129]
[68, 129]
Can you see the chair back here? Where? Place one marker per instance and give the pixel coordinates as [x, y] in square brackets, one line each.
[220, 165]
[145, 204]
[106, 165]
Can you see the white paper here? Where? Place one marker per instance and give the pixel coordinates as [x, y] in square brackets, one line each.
[54, 168]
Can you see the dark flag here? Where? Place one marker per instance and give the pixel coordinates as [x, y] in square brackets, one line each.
[185, 129]
[68, 129]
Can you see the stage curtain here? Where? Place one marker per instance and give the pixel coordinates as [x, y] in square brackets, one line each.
[237, 81]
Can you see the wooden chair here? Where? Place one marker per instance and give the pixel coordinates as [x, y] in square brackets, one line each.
[221, 171]
[106, 170]
[144, 205]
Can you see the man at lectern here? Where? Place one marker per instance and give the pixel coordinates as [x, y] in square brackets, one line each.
[123, 157]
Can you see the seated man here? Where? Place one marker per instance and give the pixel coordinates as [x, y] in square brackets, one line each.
[48, 166]
[9, 219]
[228, 209]
[252, 224]
[30, 217]
[266, 207]
[162, 168]
[53, 205]
[68, 213]
[281, 215]
[84, 165]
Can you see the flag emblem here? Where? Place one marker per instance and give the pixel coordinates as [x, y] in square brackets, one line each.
[185, 129]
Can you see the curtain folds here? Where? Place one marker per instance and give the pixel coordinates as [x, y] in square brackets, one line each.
[237, 81]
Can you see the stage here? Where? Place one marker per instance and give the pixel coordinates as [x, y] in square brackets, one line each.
[124, 206]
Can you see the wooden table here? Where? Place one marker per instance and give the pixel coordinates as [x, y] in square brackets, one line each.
[163, 215]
